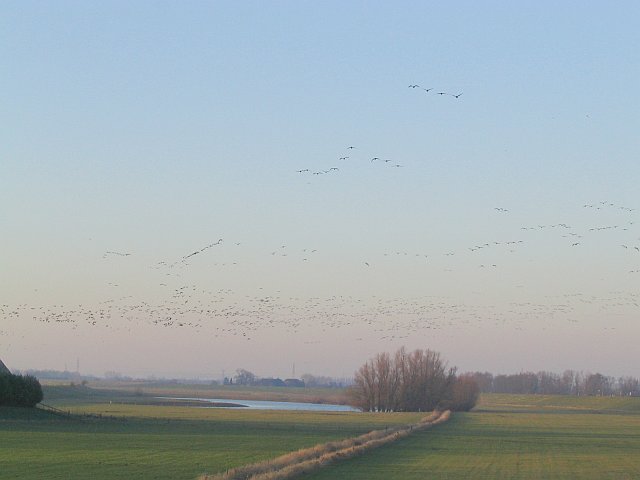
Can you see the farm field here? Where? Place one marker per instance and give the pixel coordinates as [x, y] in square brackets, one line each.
[503, 444]
[163, 442]
[63, 394]
[557, 403]
[508, 437]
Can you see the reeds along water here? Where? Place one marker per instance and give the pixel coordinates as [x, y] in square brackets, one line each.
[309, 459]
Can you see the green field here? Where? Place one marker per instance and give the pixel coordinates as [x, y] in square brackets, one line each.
[61, 393]
[508, 437]
[558, 404]
[163, 442]
[505, 440]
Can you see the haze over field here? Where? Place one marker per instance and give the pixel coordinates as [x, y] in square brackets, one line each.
[179, 195]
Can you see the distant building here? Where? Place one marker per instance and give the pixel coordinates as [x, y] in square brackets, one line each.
[293, 382]
[3, 368]
[270, 382]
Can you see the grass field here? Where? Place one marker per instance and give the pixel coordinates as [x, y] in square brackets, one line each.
[558, 441]
[163, 442]
[558, 403]
[507, 446]
[508, 437]
[59, 393]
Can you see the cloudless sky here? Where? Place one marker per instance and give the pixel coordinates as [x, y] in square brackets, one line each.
[157, 128]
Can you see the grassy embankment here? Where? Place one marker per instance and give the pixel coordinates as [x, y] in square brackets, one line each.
[514, 437]
[304, 461]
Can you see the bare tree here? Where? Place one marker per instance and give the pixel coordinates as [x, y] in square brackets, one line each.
[245, 377]
[363, 391]
[418, 381]
[628, 386]
[598, 384]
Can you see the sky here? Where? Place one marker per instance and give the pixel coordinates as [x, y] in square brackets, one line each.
[178, 195]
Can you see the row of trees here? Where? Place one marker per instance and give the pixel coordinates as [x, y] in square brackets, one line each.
[324, 381]
[19, 390]
[569, 382]
[411, 382]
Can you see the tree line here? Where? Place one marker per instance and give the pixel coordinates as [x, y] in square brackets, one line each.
[411, 382]
[19, 390]
[247, 378]
[570, 382]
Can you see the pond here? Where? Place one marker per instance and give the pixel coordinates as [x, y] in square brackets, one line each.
[262, 404]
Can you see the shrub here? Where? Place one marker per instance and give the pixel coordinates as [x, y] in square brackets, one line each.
[465, 392]
[19, 390]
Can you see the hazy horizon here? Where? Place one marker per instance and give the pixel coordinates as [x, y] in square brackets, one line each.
[178, 194]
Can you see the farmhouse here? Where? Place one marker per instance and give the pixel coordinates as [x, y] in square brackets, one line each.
[293, 382]
[3, 368]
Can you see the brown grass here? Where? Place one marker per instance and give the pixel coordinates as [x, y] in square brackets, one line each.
[306, 460]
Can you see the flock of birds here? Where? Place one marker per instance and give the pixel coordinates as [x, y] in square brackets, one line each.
[225, 313]
[348, 154]
[434, 92]
[350, 157]
[229, 313]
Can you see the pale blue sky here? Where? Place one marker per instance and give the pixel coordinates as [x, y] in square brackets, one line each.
[156, 128]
